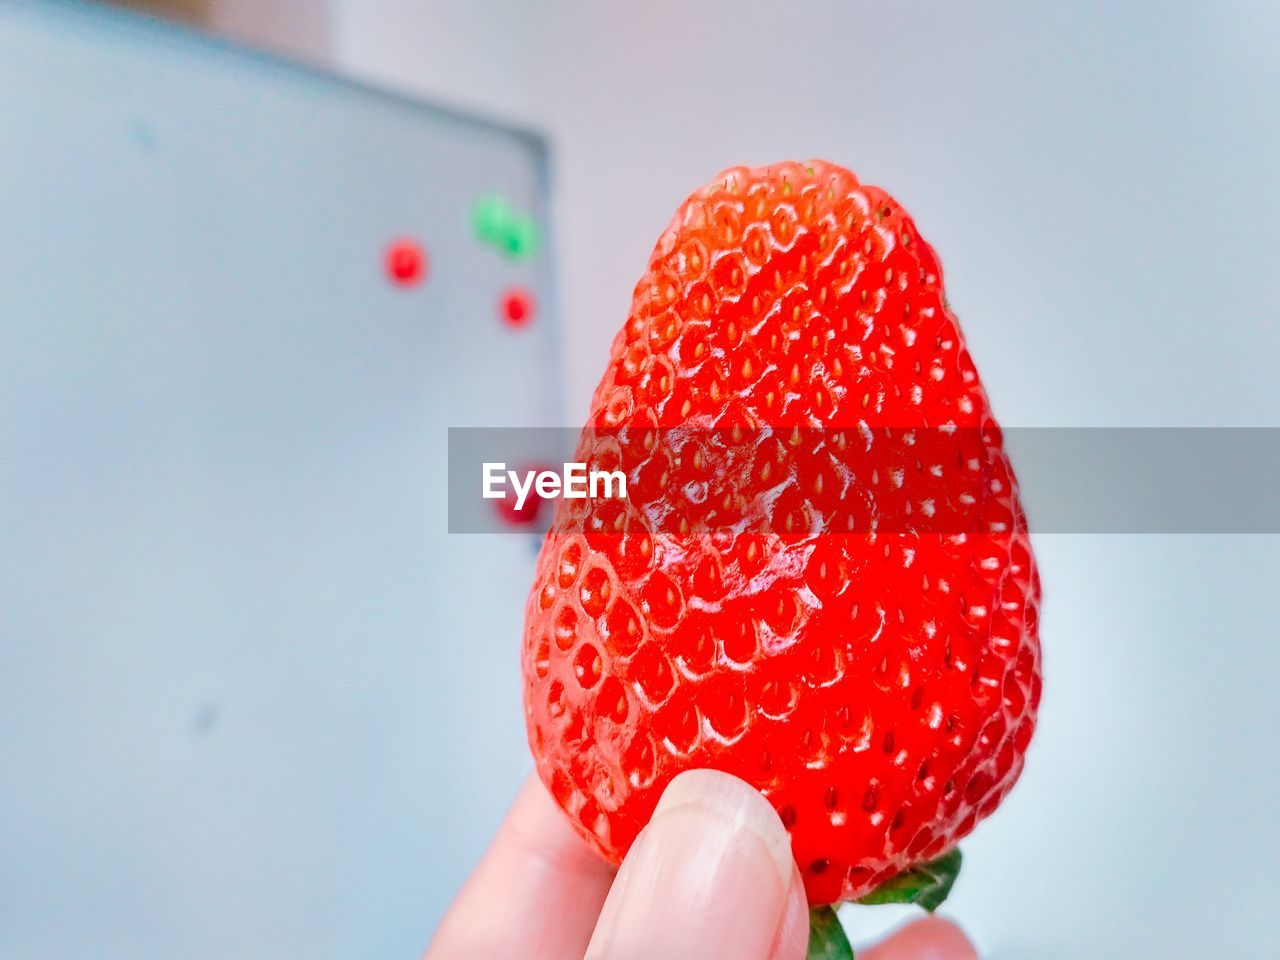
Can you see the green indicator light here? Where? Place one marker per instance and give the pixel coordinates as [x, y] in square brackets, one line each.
[522, 238]
[490, 218]
[496, 224]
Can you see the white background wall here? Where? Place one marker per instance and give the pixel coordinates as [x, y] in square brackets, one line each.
[1100, 182]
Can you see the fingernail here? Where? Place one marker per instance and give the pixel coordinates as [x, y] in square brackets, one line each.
[708, 876]
[740, 806]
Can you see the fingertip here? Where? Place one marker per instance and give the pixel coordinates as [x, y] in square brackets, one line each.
[951, 942]
[537, 826]
[710, 875]
[933, 938]
[549, 883]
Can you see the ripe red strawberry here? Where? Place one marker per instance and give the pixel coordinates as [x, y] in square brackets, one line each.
[821, 580]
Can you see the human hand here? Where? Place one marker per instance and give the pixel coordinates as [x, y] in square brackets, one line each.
[711, 876]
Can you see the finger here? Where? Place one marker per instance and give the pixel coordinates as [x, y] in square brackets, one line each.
[535, 894]
[792, 940]
[932, 938]
[708, 877]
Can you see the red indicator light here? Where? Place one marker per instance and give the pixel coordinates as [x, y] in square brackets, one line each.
[406, 263]
[527, 514]
[517, 307]
[518, 516]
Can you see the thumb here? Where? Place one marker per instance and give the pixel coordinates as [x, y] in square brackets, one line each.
[710, 876]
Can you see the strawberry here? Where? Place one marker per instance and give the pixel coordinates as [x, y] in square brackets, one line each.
[820, 580]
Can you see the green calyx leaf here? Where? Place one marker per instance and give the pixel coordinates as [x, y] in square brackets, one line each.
[826, 937]
[927, 884]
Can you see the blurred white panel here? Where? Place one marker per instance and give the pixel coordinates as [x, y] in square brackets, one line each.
[245, 677]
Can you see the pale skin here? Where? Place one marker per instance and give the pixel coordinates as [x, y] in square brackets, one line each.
[710, 877]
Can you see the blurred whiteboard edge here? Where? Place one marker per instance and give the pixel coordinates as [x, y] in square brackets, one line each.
[119, 20]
